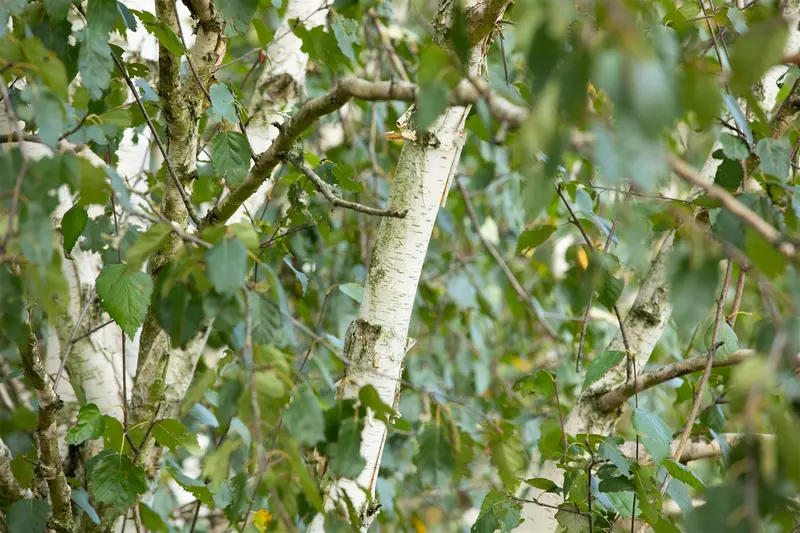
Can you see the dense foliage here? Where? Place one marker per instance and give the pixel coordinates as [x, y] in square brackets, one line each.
[202, 353]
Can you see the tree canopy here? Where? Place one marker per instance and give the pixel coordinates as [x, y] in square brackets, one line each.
[315, 265]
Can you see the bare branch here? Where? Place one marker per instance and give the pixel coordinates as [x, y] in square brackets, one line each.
[482, 18]
[615, 398]
[9, 486]
[297, 159]
[512, 279]
[50, 464]
[695, 449]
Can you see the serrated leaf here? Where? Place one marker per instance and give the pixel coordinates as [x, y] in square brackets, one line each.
[227, 266]
[734, 147]
[90, 425]
[654, 433]
[125, 296]
[28, 516]
[345, 455]
[506, 452]
[608, 450]
[151, 520]
[498, 511]
[600, 365]
[304, 418]
[95, 61]
[531, 238]
[321, 46]
[194, 486]
[435, 460]
[682, 473]
[171, 433]
[81, 499]
[610, 289]
[230, 155]
[114, 480]
[353, 290]
[223, 104]
[775, 156]
[238, 12]
[146, 244]
[72, 225]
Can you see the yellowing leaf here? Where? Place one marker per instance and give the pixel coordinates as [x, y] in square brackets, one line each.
[419, 527]
[262, 519]
[583, 259]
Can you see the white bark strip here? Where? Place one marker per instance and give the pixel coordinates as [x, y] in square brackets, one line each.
[643, 326]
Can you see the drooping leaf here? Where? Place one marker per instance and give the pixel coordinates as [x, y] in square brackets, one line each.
[227, 266]
[353, 290]
[90, 425]
[608, 450]
[72, 225]
[81, 499]
[345, 455]
[223, 104]
[114, 480]
[125, 296]
[303, 418]
[196, 487]
[600, 365]
[369, 398]
[655, 434]
[28, 516]
[230, 155]
[146, 244]
[95, 60]
[151, 520]
[682, 473]
[435, 461]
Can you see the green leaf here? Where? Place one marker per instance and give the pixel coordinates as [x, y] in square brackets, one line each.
[230, 155]
[308, 484]
[165, 35]
[541, 483]
[321, 46]
[431, 102]
[238, 12]
[125, 296]
[194, 486]
[572, 522]
[498, 511]
[756, 51]
[353, 290]
[729, 174]
[48, 112]
[610, 289]
[738, 116]
[303, 418]
[227, 266]
[506, 452]
[700, 93]
[90, 425]
[171, 433]
[345, 30]
[72, 225]
[147, 244]
[180, 313]
[540, 382]
[345, 456]
[600, 365]
[81, 499]
[114, 480]
[151, 520]
[543, 55]
[435, 460]
[531, 238]
[775, 156]
[264, 33]
[655, 434]
[35, 239]
[682, 473]
[763, 254]
[734, 147]
[114, 436]
[57, 9]
[223, 104]
[608, 450]
[95, 60]
[368, 397]
[28, 516]
[692, 288]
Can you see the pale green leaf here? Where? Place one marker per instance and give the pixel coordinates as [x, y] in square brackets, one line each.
[81, 499]
[353, 290]
[435, 460]
[303, 418]
[654, 433]
[223, 104]
[600, 365]
[230, 155]
[227, 266]
[146, 244]
[775, 156]
[125, 296]
[95, 60]
[171, 433]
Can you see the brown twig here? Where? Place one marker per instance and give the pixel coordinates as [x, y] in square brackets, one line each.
[12, 117]
[737, 297]
[72, 340]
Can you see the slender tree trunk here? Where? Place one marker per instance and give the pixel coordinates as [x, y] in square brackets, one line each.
[646, 321]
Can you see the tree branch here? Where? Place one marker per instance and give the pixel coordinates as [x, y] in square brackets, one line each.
[50, 467]
[512, 279]
[10, 489]
[467, 92]
[615, 398]
[695, 449]
[296, 158]
[482, 18]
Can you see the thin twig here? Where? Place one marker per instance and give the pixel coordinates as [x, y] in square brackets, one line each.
[150, 427]
[12, 117]
[560, 415]
[93, 330]
[178, 185]
[737, 297]
[512, 279]
[297, 159]
[71, 341]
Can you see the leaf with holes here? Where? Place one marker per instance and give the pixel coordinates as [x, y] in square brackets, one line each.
[125, 296]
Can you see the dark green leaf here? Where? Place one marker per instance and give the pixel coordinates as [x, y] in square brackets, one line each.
[729, 174]
[345, 456]
[540, 383]
[541, 483]
[435, 461]
[756, 51]
[498, 511]
[90, 425]
[768, 260]
[431, 102]
[72, 225]
[303, 418]
[165, 35]
[151, 520]
[114, 480]
[600, 365]
[227, 266]
[171, 433]
[196, 487]
[543, 55]
[230, 155]
[180, 313]
[531, 238]
[321, 46]
[682, 473]
[28, 516]
[125, 296]
[57, 9]
[369, 398]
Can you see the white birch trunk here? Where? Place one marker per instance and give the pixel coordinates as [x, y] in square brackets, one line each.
[644, 325]
[376, 342]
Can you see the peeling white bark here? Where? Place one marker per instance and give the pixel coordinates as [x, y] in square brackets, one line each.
[643, 326]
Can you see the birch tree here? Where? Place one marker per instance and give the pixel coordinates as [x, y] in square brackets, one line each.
[307, 265]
